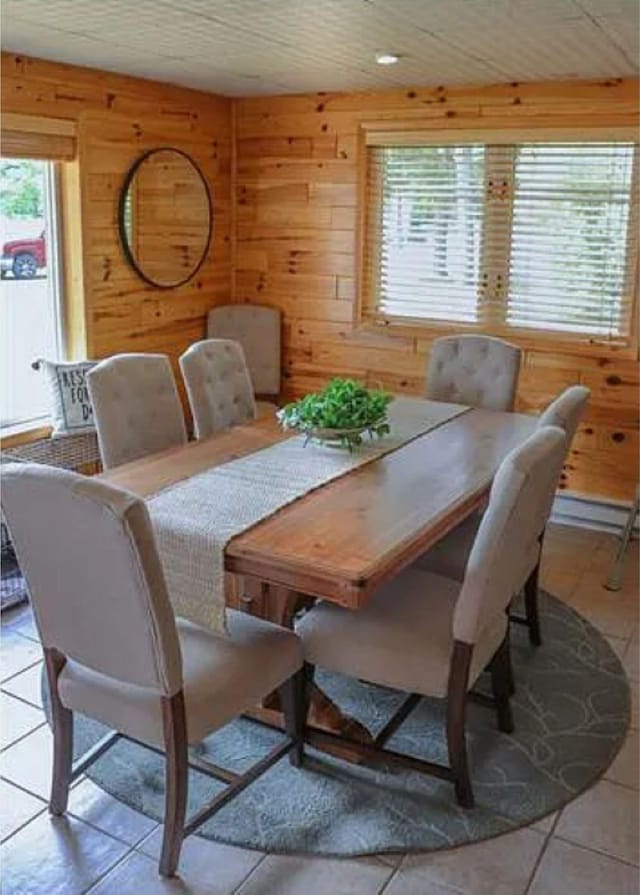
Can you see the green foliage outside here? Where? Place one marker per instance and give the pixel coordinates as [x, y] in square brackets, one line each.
[21, 189]
[344, 404]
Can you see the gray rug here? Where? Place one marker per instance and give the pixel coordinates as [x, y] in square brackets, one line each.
[571, 712]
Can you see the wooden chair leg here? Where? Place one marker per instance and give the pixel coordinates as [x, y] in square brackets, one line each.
[177, 768]
[294, 699]
[62, 723]
[456, 712]
[531, 606]
[501, 685]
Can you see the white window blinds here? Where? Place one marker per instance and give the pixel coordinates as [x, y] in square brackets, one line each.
[531, 235]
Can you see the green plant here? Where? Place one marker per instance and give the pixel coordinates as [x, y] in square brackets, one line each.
[346, 407]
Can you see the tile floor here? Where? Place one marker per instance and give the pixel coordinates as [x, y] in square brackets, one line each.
[104, 848]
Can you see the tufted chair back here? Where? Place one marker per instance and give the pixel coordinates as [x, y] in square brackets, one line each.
[566, 411]
[218, 385]
[257, 329]
[136, 407]
[477, 370]
[97, 589]
[507, 543]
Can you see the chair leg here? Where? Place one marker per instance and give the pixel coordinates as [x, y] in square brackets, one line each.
[294, 698]
[177, 767]
[456, 712]
[531, 606]
[501, 685]
[62, 723]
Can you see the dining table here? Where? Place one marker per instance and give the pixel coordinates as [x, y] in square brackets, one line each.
[343, 540]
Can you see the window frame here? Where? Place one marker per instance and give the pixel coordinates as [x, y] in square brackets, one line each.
[412, 133]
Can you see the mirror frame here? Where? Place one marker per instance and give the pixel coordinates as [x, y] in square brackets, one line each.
[122, 231]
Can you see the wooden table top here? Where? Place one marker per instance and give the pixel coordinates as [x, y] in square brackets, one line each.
[343, 540]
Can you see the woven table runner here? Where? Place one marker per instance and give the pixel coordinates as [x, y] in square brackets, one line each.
[195, 519]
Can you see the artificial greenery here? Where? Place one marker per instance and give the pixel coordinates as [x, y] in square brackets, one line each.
[343, 405]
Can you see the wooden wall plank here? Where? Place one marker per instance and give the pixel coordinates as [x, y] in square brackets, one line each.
[297, 209]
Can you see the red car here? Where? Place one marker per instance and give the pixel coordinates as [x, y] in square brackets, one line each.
[23, 257]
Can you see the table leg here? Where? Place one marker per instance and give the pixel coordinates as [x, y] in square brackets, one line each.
[280, 605]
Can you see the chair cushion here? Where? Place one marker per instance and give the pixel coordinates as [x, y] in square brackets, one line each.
[402, 638]
[223, 676]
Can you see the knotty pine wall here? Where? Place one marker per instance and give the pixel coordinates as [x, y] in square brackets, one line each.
[296, 210]
[118, 118]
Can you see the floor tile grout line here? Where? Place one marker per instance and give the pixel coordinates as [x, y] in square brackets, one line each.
[32, 705]
[24, 736]
[94, 826]
[24, 789]
[534, 870]
[597, 851]
[23, 825]
[25, 668]
[246, 879]
[100, 879]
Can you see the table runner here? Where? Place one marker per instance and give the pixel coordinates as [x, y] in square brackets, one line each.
[195, 519]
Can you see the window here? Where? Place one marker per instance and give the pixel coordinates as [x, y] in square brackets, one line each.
[529, 235]
[30, 318]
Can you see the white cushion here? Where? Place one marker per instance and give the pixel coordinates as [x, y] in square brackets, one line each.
[402, 638]
[223, 677]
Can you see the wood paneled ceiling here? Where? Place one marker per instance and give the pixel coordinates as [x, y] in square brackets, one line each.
[250, 47]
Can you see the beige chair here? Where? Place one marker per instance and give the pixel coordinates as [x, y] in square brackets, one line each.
[114, 651]
[449, 556]
[218, 386]
[136, 407]
[429, 635]
[258, 330]
[477, 370]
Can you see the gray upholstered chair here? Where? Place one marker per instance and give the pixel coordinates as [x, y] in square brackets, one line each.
[449, 556]
[136, 407]
[258, 330]
[218, 386]
[429, 635]
[477, 370]
[114, 651]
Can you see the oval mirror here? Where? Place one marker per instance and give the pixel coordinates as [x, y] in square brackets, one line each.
[165, 217]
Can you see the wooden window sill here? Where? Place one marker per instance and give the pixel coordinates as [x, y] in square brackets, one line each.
[12, 436]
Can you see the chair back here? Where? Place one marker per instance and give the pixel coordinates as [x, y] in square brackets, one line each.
[566, 411]
[480, 371]
[89, 557]
[258, 330]
[218, 386]
[507, 544]
[136, 407]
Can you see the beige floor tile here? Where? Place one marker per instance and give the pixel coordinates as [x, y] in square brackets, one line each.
[500, 866]
[16, 808]
[626, 766]
[292, 875]
[604, 818]
[16, 653]
[28, 762]
[614, 614]
[567, 869]
[94, 806]
[57, 856]
[17, 718]
[203, 863]
[138, 875]
[27, 685]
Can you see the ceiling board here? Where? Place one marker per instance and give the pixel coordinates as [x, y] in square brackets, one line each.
[245, 47]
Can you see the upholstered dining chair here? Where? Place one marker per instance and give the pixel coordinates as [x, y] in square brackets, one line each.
[473, 369]
[136, 407]
[218, 385]
[115, 652]
[258, 330]
[449, 556]
[432, 636]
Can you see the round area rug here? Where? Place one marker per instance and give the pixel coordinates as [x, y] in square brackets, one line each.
[571, 712]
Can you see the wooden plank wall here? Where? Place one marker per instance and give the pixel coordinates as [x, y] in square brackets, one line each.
[296, 211]
[118, 118]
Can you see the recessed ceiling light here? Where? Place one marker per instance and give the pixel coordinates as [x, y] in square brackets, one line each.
[385, 58]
